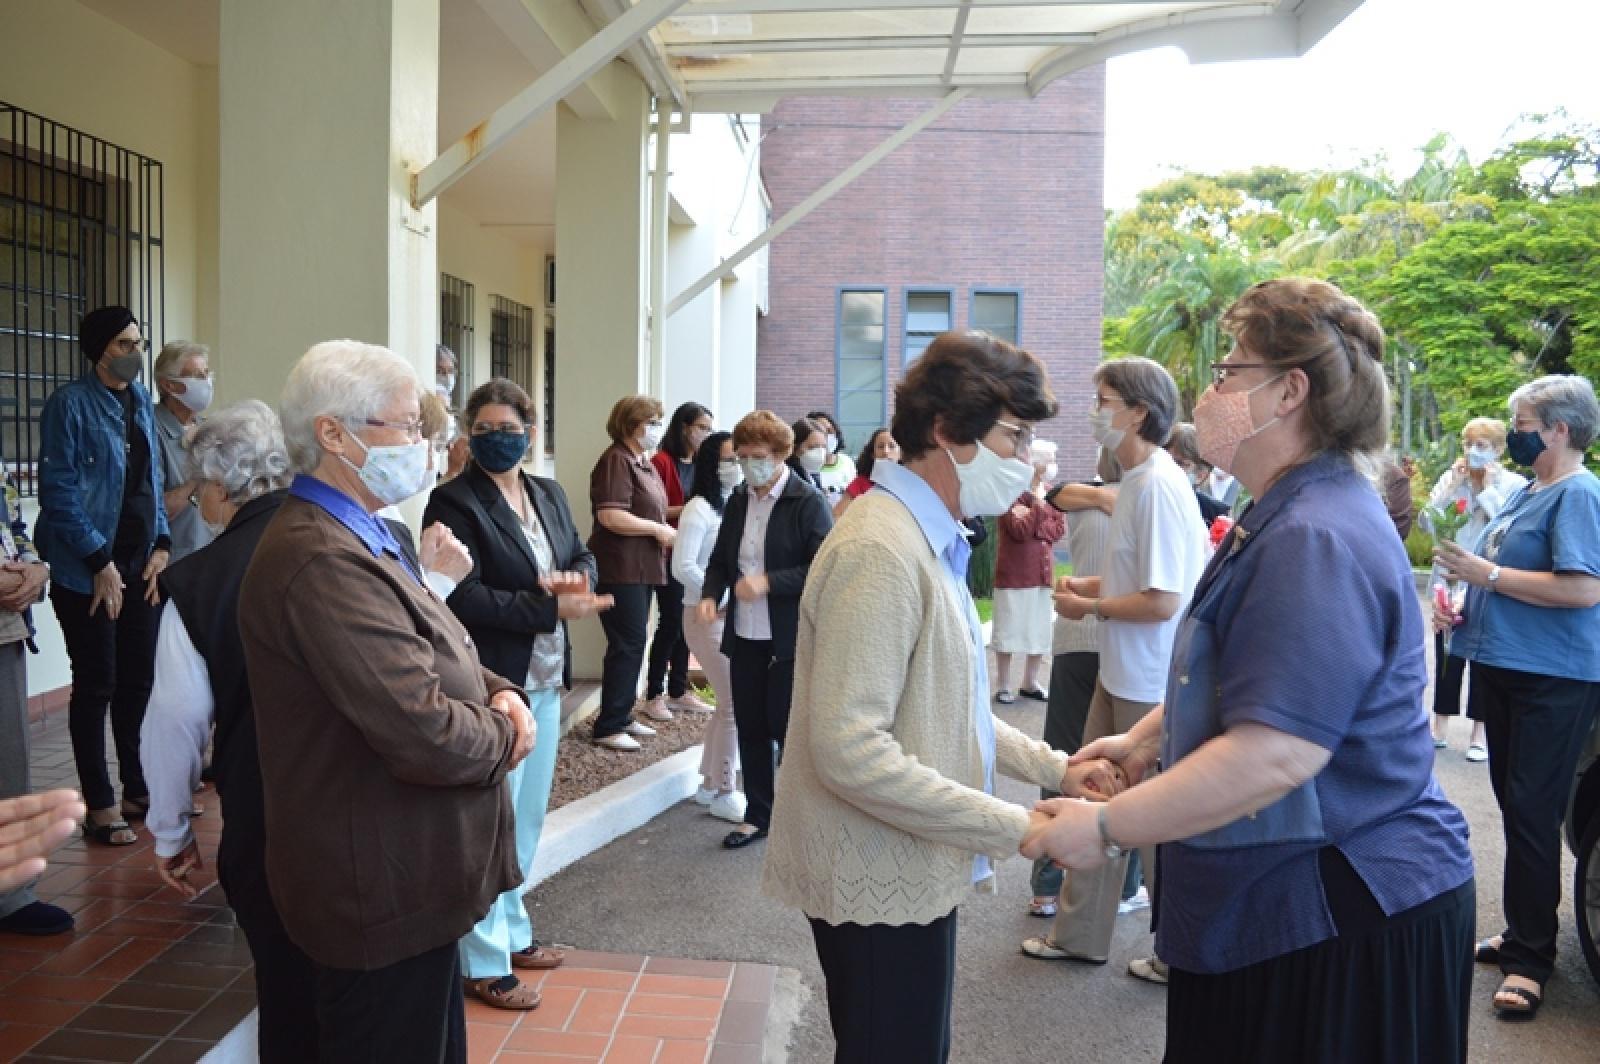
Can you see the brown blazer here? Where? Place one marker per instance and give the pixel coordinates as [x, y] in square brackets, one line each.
[388, 832]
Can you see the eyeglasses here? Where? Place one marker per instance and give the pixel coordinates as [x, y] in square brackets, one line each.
[412, 429]
[1023, 440]
[1220, 370]
[1098, 403]
[483, 428]
[126, 346]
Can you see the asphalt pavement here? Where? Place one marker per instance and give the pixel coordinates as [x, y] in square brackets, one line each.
[670, 889]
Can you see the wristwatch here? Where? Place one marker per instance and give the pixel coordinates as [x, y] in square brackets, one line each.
[1112, 850]
[1494, 579]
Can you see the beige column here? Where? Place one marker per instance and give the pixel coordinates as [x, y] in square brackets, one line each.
[325, 107]
[602, 260]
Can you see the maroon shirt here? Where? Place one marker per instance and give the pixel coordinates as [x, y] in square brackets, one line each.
[1024, 555]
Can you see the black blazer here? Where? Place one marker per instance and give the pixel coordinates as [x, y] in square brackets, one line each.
[800, 522]
[500, 602]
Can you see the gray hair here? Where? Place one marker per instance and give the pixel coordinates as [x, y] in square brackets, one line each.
[1562, 398]
[342, 379]
[1146, 384]
[173, 354]
[241, 448]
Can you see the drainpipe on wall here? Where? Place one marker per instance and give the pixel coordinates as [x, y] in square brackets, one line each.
[658, 252]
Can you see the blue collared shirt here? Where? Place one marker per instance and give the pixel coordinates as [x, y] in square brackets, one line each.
[369, 529]
[948, 539]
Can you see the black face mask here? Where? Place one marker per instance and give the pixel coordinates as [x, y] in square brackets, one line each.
[1524, 447]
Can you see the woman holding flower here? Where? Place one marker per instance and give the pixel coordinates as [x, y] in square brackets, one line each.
[1474, 490]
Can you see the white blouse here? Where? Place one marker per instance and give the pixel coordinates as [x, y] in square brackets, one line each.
[698, 525]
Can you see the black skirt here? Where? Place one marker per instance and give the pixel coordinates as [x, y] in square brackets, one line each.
[1385, 990]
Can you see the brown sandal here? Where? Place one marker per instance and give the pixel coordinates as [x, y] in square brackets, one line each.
[504, 992]
[538, 958]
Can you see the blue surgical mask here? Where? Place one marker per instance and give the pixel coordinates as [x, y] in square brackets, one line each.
[1480, 457]
[498, 451]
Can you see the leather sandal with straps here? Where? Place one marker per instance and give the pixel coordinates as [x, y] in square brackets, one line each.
[504, 992]
[538, 958]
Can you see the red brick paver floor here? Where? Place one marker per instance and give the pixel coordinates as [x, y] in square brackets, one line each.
[148, 977]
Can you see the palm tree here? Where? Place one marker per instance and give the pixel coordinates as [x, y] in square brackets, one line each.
[1178, 323]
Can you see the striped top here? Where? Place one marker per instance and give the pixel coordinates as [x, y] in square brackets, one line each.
[1088, 537]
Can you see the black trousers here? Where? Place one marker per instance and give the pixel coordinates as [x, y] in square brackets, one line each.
[624, 623]
[1386, 989]
[411, 1011]
[669, 654]
[285, 991]
[1448, 672]
[1536, 726]
[113, 664]
[761, 689]
[889, 989]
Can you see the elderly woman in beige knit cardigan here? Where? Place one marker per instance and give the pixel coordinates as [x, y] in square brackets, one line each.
[887, 788]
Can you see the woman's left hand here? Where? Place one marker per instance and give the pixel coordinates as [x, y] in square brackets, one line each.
[152, 576]
[749, 588]
[1460, 564]
[1071, 838]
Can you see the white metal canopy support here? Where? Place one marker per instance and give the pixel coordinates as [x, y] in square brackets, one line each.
[581, 64]
[817, 199]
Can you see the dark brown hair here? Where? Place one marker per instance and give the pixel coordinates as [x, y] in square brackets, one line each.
[962, 384]
[1313, 326]
[498, 391]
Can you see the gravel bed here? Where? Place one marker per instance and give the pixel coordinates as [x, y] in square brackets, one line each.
[583, 768]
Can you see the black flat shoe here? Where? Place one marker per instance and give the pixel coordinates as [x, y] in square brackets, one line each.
[1487, 952]
[735, 840]
[1518, 1013]
[1034, 693]
[37, 918]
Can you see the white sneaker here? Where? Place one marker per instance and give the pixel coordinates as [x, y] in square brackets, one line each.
[656, 709]
[689, 702]
[640, 731]
[1140, 900]
[704, 795]
[620, 742]
[729, 807]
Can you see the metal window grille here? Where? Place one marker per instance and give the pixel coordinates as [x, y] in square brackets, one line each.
[457, 314]
[549, 389]
[511, 341]
[80, 227]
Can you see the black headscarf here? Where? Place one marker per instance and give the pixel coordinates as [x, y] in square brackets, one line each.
[100, 327]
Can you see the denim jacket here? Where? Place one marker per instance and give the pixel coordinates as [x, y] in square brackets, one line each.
[82, 462]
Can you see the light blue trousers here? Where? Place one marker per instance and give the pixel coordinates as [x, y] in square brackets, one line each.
[486, 950]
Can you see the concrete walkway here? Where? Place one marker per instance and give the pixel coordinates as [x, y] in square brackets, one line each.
[670, 889]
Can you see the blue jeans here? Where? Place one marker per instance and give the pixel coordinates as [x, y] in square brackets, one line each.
[486, 949]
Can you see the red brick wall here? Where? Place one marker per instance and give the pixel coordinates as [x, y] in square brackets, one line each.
[997, 194]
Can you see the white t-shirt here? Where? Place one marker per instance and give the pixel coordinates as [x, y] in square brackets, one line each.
[837, 476]
[1158, 542]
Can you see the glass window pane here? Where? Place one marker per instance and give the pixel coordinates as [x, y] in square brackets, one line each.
[857, 373]
[915, 345]
[928, 312]
[861, 408]
[861, 308]
[994, 312]
[861, 341]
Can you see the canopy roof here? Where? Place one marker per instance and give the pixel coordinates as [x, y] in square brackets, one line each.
[745, 55]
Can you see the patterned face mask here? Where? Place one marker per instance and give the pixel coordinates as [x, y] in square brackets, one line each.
[1222, 421]
[393, 474]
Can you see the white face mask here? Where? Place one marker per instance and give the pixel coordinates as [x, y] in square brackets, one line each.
[813, 459]
[447, 385]
[990, 484]
[833, 443]
[730, 475]
[393, 474]
[653, 431]
[1051, 470]
[758, 472]
[1480, 456]
[1100, 425]
[197, 393]
[696, 438]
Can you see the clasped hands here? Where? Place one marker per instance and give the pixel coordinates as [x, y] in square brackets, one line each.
[574, 599]
[1066, 829]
